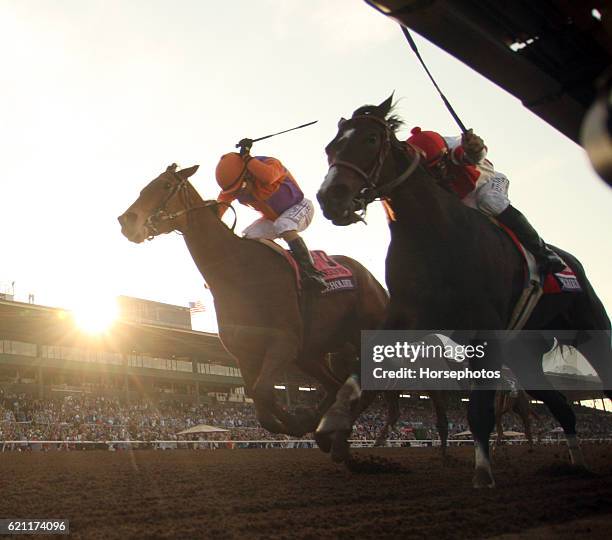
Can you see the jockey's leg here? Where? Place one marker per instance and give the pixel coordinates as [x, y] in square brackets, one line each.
[546, 258]
[260, 228]
[287, 226]
[310, 275]
[492, 199]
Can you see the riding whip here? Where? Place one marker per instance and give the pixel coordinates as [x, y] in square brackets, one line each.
[245, 144]
[446, 102]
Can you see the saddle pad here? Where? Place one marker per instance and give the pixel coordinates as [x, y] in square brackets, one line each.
[565, 281]
[337, 277]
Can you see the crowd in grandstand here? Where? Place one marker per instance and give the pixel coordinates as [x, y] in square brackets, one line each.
[97, 418]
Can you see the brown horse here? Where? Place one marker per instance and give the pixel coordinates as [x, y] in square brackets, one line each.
[264, 321]
[449, 267]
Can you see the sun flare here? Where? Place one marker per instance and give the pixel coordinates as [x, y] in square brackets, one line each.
[95, 316]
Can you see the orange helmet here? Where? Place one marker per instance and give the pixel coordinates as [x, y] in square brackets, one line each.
[431, 143]
[230, 172]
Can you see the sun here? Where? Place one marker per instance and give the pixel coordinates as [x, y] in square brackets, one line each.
[95, 316]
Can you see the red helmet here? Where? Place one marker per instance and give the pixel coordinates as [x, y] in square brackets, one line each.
[431, 143]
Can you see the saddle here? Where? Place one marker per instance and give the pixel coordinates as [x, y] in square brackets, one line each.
[337, 277]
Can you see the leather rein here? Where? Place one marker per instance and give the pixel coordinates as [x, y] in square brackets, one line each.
[160, 214]
[373, 189]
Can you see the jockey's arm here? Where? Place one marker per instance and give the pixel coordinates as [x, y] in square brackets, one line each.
[269, 172]
[467, 150]
[224, 198]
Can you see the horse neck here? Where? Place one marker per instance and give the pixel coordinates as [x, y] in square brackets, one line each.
[420, 200]
[211, 243]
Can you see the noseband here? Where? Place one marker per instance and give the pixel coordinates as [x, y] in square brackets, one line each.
[160, 214]
[373, 188]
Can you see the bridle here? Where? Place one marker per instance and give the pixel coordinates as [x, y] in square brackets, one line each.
[373, 189]
[180, 187]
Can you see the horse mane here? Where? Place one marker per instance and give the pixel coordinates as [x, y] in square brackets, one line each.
[393, 120]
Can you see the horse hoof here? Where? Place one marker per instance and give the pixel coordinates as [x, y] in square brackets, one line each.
[324, 442]
[340, 451]
[482, 478]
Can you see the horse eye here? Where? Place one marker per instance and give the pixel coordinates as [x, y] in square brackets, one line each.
[167, 185]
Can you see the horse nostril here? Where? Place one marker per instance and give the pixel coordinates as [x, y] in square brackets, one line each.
[338, 193]
[126, 219]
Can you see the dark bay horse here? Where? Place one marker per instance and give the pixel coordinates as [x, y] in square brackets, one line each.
[262, 319]
[449, 267]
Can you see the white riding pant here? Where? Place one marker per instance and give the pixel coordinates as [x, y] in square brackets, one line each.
[490, 195]
[295, 218]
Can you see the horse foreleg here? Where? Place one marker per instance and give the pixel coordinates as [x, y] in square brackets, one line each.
[393, 414]
[315, 365]
[267, 419]
[337, 422]
[279, 352]
[531, 372]
[481, 417]
[439, 404]
[522, 409]
[501, 408]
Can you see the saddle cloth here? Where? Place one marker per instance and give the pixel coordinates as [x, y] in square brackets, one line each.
[564, 281]
[337, 277]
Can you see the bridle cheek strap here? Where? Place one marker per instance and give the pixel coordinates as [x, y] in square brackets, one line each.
[373, 189]
[160, 214]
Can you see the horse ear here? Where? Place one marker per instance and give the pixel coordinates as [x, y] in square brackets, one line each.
[341, 121]
[385, 107]
[186, 173]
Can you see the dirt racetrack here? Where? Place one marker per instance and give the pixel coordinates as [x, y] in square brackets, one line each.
[301, 494]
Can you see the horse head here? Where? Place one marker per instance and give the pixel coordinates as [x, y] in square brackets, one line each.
[161, 207]
[359, 170]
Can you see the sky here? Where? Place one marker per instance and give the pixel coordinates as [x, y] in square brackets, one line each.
[98, 97]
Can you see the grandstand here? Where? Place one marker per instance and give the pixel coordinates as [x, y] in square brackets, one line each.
[150, 351]
[150, 375]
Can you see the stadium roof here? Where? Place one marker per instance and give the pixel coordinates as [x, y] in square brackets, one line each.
[53, 326]
[547, 53]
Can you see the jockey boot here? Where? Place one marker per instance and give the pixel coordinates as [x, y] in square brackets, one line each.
[546, 259]
[311, 277]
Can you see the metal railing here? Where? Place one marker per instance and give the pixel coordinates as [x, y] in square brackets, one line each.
[28, 444]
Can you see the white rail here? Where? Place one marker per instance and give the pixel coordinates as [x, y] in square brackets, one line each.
[8, 445]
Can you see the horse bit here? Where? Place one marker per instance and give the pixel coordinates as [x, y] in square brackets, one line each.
[160, 214]
[373, 191]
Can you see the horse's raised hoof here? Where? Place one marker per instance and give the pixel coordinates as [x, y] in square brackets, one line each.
[482, 478]
[341, 448]
[324, 441]
[338, 418]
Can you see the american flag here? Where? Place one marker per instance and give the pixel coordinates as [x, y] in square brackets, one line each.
[196, 307]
